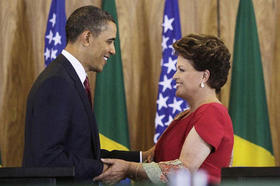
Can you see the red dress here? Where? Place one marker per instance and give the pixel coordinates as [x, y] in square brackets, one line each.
[213, 124]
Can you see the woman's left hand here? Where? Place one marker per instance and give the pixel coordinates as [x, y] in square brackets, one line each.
[148, 156]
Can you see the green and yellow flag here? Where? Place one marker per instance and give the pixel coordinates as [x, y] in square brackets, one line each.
[248, 107]
[109, 99]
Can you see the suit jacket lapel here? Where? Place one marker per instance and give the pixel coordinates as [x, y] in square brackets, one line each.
[79, 87]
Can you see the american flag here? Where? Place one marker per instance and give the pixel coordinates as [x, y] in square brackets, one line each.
[55, 37]
[168, 105]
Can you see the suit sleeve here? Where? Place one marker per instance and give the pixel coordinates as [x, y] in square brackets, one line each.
[49, 128]
[124, 155]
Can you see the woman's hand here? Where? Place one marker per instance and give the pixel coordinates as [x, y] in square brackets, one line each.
[148, 156]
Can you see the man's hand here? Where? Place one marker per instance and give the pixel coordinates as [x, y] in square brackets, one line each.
[116, 172]
[148, 156]
[105, 167]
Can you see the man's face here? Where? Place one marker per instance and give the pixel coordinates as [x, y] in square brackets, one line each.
[101, 47]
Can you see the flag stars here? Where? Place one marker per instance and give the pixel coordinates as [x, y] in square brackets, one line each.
[171, 65]
[50, 53]
[57, 39]
[164, 42]
[156, 137]
[47, 54]
[170, 119]
[161, 102]
[53, 20]
[50, 36]
[168, 105]
[166, 83]
[176, 105]
[53, 54]
[159, 120]
[167, 25]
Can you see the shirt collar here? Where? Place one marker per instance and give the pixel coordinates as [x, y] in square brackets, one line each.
[76, 65]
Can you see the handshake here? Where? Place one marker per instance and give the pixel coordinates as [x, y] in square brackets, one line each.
[115, 170]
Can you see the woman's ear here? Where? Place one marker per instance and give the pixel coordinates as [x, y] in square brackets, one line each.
[206, 75]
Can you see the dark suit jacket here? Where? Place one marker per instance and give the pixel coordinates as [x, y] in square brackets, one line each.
[61, 129]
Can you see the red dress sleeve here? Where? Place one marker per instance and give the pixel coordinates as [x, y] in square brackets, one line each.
[209, 124]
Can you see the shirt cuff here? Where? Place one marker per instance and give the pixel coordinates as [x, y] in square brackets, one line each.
[140, 158]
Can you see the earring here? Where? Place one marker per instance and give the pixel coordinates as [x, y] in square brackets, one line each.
[202, 85]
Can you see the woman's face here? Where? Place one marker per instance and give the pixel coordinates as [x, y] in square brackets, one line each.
[187, 78]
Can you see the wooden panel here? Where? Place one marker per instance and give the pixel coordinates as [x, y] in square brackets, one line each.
[198, 16]
[274, 95]
[266, 16]
[227, 29]
[8, 17]
[19, 77]
[23, 25]
[140, 35]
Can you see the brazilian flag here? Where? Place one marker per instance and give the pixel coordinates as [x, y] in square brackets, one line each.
[248, 106]
[109, 98]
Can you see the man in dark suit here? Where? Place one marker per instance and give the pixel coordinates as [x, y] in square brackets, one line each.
[61, 129]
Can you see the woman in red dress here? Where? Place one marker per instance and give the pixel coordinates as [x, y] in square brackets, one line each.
[200, 137]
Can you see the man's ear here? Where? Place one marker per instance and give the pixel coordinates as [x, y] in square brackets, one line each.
[85, 38]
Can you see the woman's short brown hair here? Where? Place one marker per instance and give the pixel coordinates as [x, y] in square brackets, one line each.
[207, 53]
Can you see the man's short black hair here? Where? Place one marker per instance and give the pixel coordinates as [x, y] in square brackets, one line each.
[86, 18]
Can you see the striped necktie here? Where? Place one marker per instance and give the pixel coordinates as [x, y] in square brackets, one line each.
[87, 87]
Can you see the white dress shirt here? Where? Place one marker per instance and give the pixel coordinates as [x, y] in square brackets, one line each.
[76, 65]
